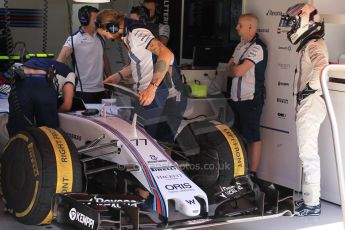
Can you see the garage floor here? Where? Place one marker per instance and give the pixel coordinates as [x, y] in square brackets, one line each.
[330, 219]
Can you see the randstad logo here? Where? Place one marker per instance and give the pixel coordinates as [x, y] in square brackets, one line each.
[274, 13]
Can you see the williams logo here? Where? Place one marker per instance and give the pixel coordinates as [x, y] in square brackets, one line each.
[274, 13]
[281, 115]
[280, 83]
[282, 100]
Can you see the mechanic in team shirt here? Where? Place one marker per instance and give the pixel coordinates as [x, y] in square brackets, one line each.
[34, 98]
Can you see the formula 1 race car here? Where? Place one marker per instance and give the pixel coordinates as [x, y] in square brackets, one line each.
[88, 174]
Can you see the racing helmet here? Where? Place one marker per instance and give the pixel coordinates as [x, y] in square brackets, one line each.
[303, 19]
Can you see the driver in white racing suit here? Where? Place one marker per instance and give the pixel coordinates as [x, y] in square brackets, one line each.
[307, 30]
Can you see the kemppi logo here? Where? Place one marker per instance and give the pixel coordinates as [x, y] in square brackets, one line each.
[273, 13]
[81, 218]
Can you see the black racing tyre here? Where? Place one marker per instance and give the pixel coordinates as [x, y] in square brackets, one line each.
[222, 155]
[36, 164]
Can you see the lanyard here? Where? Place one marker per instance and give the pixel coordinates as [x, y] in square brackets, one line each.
[245, 51]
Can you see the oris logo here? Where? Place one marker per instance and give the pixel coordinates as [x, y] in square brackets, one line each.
[274, 13]
[288, 48]
[281, 115]
[280, 83]
[282, 100]
[172, 187]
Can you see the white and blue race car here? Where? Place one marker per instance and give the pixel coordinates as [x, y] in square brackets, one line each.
[88, 174]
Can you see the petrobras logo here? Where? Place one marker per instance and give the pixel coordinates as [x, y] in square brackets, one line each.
[281, 83]
[113, 203]
[282, 100]
[177, 187]
[81, 218]
[274, 13]
[281, 115]
[287, 48]
[231, 190]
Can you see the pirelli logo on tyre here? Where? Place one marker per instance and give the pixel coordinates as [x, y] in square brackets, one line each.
[63, 160]
[64, 167]
[236, 149]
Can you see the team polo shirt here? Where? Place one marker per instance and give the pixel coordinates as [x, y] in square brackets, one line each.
[142, 63]
[88, 52]
[252, 82]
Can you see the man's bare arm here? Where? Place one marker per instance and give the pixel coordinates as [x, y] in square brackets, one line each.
[240, 69]
[165, 56]
[64, 54]
[107, 66]
[123, 74]
[164, 59]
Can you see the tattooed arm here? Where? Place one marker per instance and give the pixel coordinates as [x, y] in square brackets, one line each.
[165, 56]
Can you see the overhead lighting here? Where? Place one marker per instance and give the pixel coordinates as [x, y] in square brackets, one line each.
[91, 1]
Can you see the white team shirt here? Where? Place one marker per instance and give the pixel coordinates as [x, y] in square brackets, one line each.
[142, 64]
[254, 53]
[89, 55]
[70, 78]
[164, 30]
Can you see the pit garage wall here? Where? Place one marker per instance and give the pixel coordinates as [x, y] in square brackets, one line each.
[334, 15]
[279, 162]
[57, 25]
